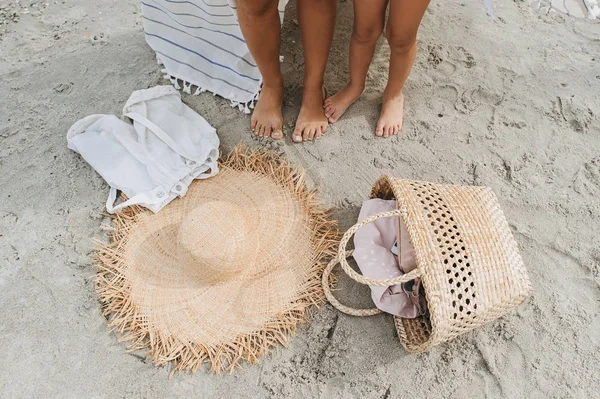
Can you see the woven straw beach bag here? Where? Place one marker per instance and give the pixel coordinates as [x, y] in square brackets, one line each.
[467, 259]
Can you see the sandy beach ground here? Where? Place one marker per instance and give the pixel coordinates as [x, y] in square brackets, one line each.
[513, 104]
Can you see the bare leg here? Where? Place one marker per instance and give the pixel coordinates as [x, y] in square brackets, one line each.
[260, 24]
[369, 20]
[317, 20]
[403, 23]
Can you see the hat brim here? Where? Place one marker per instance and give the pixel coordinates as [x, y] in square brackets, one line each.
[181, 319]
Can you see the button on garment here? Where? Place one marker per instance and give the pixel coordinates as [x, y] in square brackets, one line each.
[155, 158]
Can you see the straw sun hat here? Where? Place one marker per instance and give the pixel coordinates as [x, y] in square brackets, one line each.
[222, 274]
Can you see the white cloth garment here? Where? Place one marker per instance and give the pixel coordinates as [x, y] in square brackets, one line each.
[490, 7]
[372, 252]
[154, 160]
[200, 43]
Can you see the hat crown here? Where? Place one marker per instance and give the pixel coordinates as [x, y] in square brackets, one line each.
[217, 237]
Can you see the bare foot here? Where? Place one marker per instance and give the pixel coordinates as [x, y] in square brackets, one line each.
[312, 122]
[336, 105]
[267, 118]
[392, 114]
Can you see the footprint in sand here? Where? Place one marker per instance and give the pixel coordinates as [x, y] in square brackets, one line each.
[578, 116]
[468, 101]
[422, 132]
[471, 99]
[506, 363]
[447, 59]
[446, 96]
[587, 179]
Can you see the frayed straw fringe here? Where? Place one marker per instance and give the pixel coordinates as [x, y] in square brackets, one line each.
[123, 316]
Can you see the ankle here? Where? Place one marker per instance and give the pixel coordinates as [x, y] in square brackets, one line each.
[312, 96]
[392, 92]
[313, 84]
[275, 83]
[356, 87]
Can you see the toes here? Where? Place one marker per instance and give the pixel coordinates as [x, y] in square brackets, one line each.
[297, 135]
[261, 131]
[333, 118]
[268, 131]
[379, 131]
[387, 131]
[309, 134]
[277, 133]
[253, 124]
[320, 131]
[329, 110]
[396, 129]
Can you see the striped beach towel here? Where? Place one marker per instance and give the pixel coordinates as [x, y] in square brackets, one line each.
[200, 44]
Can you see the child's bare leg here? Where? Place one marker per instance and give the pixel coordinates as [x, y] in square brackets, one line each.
[369, 20]
[260, 24]
[403, 22]
[317, 20]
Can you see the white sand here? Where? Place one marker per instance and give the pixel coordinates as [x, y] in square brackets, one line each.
[512, 104]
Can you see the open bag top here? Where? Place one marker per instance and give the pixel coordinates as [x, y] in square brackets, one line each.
[466, 255]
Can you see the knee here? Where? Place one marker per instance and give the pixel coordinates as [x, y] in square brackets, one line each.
[367, 34]
[400, 43]
[256, 8]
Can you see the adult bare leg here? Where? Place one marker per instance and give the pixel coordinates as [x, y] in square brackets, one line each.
[261, 27]
[317, 21]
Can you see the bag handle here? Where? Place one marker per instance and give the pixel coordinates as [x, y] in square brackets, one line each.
[140, 199]
[359, 278]
[341, 259]
[158, 132]
[333, 300]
